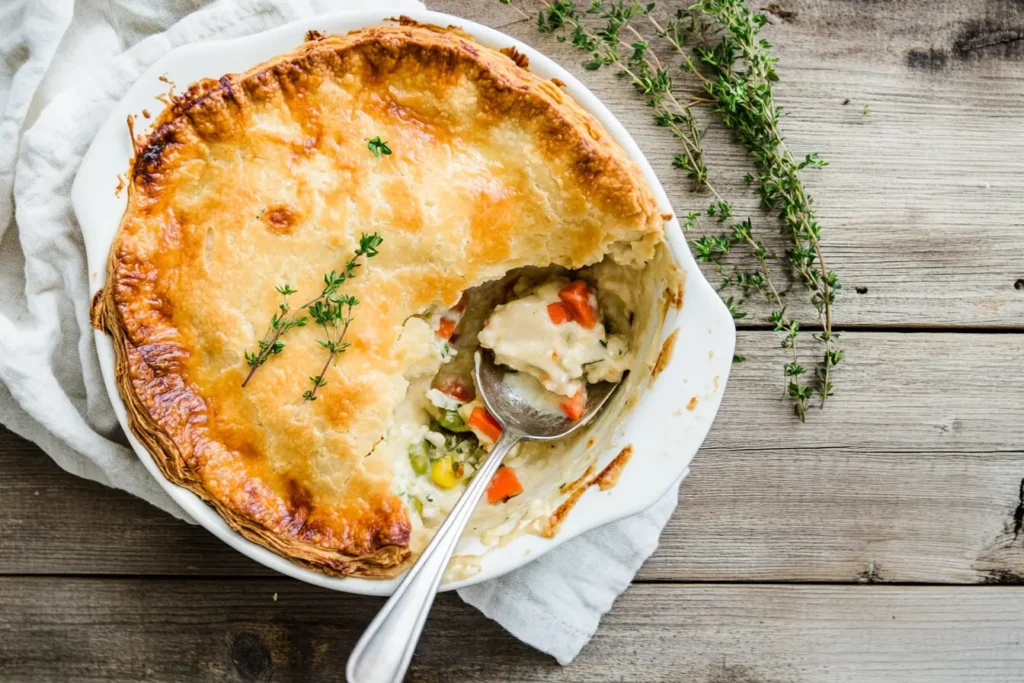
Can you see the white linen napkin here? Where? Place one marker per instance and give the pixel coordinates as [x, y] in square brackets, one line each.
[64, 65]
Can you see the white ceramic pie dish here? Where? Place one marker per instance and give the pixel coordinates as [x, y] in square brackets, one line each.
[664, 431]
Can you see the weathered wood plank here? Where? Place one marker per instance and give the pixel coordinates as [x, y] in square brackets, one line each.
[53, 521]
[923, 203]
[216, 630]
[912, 474]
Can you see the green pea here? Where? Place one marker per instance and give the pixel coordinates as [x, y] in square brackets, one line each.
[452, 421]
[419, 458]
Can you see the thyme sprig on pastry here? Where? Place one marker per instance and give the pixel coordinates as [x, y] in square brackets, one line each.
[271, 344]
[330, 315]
[330, 309]
[717, 41]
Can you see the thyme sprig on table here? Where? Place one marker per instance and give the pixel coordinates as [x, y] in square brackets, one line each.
[634, 61]
[710, 249]
[329, 309]
[745, 103]
[734, 76]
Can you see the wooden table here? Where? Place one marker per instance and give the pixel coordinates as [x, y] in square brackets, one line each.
[881, 541]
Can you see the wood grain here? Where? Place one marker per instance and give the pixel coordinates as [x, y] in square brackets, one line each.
[923, 202]
[912, 474]
[234, 630]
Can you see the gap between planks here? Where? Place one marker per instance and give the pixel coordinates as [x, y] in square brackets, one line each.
[271, 576]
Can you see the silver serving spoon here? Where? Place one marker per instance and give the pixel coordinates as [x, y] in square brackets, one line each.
[383, 654]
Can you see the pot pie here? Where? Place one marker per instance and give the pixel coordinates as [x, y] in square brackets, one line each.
[507, 217]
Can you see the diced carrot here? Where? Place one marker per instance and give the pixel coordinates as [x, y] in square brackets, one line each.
[504, 485]
[482, 420]
[445, 328]
[558, 313]
[454, 387]
[574, 406]
[576, 296]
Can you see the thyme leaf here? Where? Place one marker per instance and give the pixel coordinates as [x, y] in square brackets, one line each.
[378, 147]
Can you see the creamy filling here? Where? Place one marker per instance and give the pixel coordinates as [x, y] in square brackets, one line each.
[531, 335]
[430, 459]
[441, 432]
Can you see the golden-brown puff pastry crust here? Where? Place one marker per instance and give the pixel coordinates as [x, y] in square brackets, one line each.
[265, 178]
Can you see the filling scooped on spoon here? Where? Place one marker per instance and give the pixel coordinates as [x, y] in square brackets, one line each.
[553, 335]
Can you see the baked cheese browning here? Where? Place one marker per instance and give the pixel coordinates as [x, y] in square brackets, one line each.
[262, 179]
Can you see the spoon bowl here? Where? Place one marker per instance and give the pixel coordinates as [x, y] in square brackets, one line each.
[514, 411]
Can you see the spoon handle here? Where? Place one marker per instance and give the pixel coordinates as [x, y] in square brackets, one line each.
[383, 653]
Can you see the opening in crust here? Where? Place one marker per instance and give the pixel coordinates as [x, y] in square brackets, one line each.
[431, 443]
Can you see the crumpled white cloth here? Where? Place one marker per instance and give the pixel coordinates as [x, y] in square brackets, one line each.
[65, 63]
